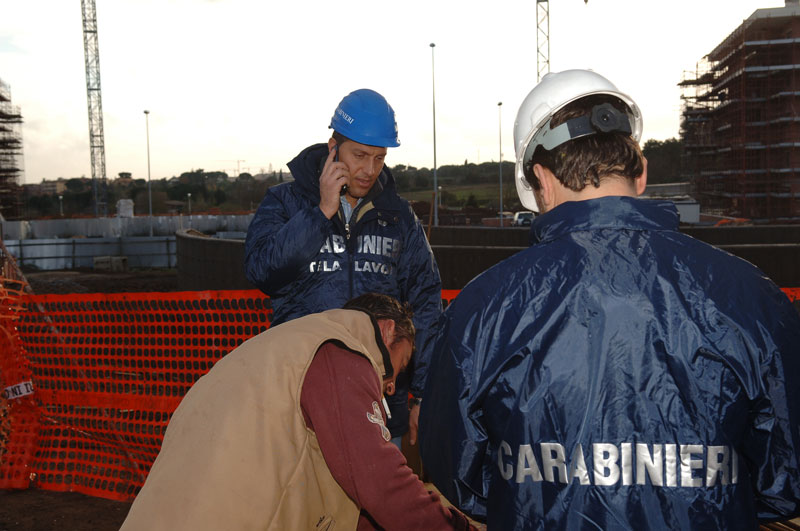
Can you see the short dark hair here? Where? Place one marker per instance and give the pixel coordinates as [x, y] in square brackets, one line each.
[380, 307]
[588, 159]
[339, 138]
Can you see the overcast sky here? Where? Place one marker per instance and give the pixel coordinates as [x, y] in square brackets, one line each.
[257, 81]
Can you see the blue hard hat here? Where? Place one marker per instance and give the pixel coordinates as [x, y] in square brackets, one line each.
[364, 116]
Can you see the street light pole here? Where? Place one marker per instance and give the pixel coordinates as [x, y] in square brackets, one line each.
[189, 195]
[435, 181]
[500, 137]
[61, 205]
[149, 189]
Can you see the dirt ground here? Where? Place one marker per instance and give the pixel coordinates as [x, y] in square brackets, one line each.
[90, 281]
[41, 510]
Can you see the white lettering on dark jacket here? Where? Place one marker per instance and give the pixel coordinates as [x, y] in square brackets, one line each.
[660, 465]
[366, 244]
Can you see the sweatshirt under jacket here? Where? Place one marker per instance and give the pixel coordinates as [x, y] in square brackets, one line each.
[341, 399]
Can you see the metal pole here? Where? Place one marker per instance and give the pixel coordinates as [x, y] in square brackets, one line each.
[61, 205]
[435, 180]
[149, 189]
[189, 196]
[500, 137]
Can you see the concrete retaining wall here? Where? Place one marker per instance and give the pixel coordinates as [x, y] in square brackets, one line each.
[206, 263]
[211, 263]
[122, 227]
[72, 253]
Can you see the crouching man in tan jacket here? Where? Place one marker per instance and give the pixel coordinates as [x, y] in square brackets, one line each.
[287, 432]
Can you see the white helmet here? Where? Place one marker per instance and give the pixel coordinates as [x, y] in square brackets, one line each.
[532, 126]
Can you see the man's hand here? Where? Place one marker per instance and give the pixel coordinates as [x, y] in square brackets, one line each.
[334, 175]
[413, 423]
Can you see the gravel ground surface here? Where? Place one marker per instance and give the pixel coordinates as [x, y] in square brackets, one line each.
[42, 510]
[91, 281]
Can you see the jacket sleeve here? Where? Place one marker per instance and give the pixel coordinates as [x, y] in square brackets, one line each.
[282, 240]
[772, 444]
[453, 438]
[421, 286]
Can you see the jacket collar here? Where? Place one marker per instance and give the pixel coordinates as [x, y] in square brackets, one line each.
[613, 212]
[364, 334]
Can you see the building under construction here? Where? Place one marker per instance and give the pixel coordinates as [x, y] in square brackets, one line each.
[740, 124]
[11, 161]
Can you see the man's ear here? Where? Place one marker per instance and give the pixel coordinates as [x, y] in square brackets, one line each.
[386, 327]
[641, 181]
[331, 143]
[546, 187]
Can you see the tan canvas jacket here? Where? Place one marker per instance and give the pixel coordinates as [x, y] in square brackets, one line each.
[237, 454]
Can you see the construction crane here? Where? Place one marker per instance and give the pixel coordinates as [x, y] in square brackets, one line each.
[237, 161]
[95, 103]
[543, 38]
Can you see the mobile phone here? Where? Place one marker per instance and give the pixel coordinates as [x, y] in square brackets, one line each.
[336, 159]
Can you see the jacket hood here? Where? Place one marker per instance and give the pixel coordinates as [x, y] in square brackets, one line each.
[306, 168]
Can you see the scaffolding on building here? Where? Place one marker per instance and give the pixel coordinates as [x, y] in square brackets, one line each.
[740, 121]
[11, 161]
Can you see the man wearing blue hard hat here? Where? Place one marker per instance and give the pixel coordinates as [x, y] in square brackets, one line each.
[340, 230]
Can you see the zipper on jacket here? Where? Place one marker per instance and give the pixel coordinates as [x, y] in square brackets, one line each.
[350, 253]
[351, 248]
[351, 269]
[350, 256]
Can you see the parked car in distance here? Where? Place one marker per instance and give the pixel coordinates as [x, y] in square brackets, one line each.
[522, 218]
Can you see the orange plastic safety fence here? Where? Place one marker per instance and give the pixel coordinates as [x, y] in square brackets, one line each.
[109, 370]
[792, 293]
[19, 418]
[448, 295]
[106, 372]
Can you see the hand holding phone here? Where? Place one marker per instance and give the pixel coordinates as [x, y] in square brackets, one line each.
[332, 182]
[336, 159]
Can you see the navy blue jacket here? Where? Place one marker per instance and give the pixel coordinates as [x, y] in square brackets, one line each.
[616, 375]
[307, 263]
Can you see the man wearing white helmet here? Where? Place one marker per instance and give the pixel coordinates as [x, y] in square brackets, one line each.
[617, 374]
[340, 229]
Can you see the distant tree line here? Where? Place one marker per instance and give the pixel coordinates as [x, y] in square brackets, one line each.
[210, 192]
[663, 160]
[664, 166]
[215, 191]
[409, 178]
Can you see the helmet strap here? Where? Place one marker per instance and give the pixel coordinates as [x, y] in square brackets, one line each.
[604, 118]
